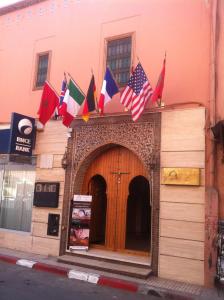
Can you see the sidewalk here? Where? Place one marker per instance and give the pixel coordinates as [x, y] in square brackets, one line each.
[167, 289]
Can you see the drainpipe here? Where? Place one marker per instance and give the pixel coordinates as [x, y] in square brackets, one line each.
[212, 101]
[211, 204]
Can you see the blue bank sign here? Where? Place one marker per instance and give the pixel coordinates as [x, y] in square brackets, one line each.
[22, 135]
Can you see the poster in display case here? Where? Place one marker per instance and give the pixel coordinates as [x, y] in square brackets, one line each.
[80, 217]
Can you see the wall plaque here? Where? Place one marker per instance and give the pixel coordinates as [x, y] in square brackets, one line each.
[46, 194]
[180, 176]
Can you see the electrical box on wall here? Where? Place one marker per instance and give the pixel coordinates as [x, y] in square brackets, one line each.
[46, 194]
[53, 224]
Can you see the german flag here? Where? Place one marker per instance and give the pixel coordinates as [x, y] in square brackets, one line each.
[89, 103]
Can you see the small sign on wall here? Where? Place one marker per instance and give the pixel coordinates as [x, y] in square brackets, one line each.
[46, 194]
[22, 135]
[180, 176]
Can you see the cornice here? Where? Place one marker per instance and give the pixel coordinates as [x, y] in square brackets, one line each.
[17, 6]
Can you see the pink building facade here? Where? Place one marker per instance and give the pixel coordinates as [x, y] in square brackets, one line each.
[76, 35]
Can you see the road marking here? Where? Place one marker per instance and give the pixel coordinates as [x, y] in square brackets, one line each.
[26, 263]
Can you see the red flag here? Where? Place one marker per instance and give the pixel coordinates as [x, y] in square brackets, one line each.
[157, 94]
[49, 101]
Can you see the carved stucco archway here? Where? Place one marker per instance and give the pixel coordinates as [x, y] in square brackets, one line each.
[99, 134]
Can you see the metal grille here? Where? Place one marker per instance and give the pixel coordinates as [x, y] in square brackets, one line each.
[42, 69]
[119, 59]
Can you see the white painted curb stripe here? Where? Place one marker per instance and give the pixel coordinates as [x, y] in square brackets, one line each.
[92, 278]
[77, 275]
[26, 263]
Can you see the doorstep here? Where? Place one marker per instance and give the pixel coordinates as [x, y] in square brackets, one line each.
[110, 261]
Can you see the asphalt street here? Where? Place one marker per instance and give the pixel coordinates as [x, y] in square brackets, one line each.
[21, 283]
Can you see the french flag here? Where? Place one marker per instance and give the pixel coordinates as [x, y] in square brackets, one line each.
[109, 89]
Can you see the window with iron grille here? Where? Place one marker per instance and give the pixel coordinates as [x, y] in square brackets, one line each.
[119, 59]
[42, 69]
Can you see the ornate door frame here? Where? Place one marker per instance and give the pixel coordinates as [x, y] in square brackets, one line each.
[89, 140]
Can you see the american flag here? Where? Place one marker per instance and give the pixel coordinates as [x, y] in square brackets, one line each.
[137, 92]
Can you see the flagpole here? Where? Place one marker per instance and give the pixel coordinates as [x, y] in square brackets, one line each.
[164, 61]
[132, 67]
[76, 83]
[160, 99]
[97, 106]
[65, 77]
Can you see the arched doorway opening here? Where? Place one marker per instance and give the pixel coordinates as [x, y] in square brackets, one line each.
[97, 188]
[107, 179]
[138, 220]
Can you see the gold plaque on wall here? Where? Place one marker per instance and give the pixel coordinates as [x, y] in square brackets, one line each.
[180, 176]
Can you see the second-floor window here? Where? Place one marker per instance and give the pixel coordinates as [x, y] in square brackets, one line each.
[42, 69]
[119, 59]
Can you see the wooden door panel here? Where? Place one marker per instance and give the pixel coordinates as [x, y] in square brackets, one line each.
[130, 164]
[108, 165]
[104, 165]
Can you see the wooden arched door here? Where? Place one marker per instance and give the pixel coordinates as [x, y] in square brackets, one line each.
[117, 166]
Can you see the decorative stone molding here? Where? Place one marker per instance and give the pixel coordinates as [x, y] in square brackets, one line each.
[138, 137]
[17, 6]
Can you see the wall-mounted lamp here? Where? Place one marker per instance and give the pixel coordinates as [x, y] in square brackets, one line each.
[64, 160]
[154, 160]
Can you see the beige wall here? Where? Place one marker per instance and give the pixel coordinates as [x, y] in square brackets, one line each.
[182, 216]
[50, 146]
[182, 211]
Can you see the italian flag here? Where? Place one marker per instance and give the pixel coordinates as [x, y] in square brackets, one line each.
[73, 99]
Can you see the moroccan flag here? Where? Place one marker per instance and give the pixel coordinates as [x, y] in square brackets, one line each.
[72, 101]
[89, 104]
[49, 101]
[109, 89]
[157, 94]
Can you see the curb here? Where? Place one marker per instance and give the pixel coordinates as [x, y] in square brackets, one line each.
[118, 284]
[99, 279]
[51, 269]
[8, 259]
[73, 274]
